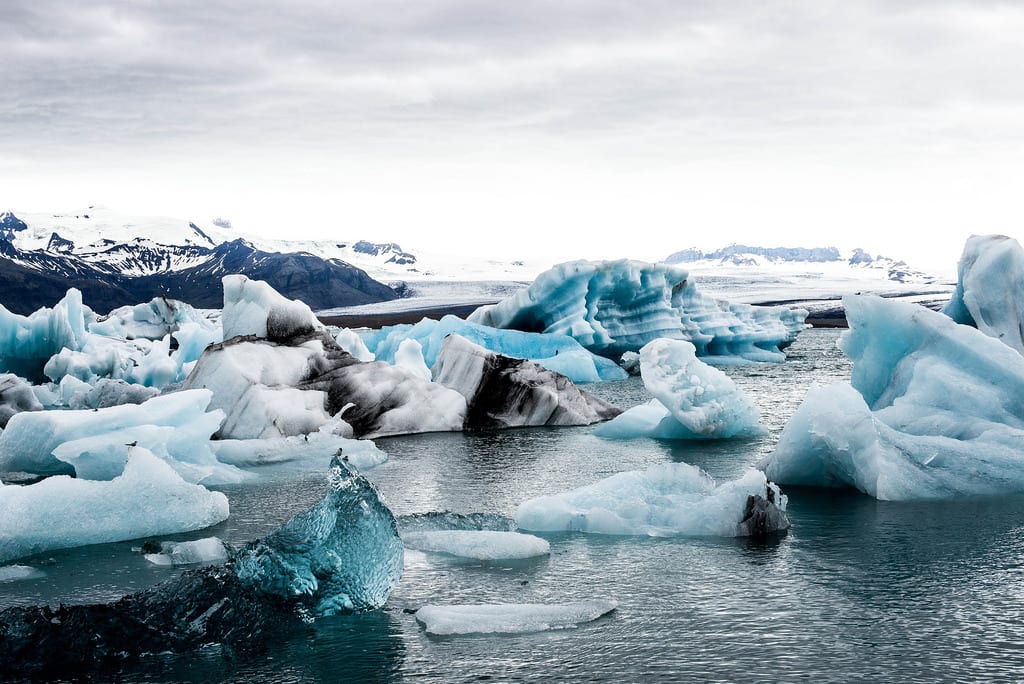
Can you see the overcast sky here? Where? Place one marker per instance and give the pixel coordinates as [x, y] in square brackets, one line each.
[582, 127]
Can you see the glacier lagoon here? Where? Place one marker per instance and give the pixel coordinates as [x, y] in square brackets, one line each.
[857, 589]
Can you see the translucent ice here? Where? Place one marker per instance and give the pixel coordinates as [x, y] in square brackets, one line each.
[147, 499]
[27, 343]
[692, 399]
[664, 500]
[933, 410]
[206, 550]
[560, 353]
[343, 554]
[612, 307]
[510, 618]
[989, 292]
[478, 544]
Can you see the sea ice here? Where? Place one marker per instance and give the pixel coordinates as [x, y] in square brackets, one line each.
[147, 499]
[989, 292]
[612, 307]
[92, 443]
[664, 500]
[505, 392]
[510, 618]
[933, 410]
[559, 353]
[478, 544]
[692, 400]
[206, 550]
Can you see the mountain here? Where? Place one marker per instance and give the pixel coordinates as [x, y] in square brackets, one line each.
[814, 259]
[116, 260]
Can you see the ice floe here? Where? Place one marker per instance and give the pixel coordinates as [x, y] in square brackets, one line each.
[510, 618]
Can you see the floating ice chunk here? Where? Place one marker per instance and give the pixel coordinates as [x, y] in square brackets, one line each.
[446, 520]
[16, 396]
[559, 353]
[692, 400]
[350, 341]
[206, 550]
[506, 392]
[105, 393]
[15, 573]
[252, 307]
[511, 618]
[343, 554]
[27, 343]
[933, 410]
[92, 443]
[612, 307]
[153, 320]
[663, 500]
[480, 545]
[147, 499]
[989, 292]
[313, 450]
[410, 356]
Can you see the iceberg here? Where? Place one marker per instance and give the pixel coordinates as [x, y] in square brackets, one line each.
[989, 291]
[559, 353]
[206, 550]
[253, 307]
[612, 307]
[668, 499]
[692, 400]
[478, 544]
[147, 499]
[933, 410]
[16, 396]
[16, 573]
[344, 554]
[510, 618]
[153, 320]
[410, 356]
[309, 449]
[91, 443]
[28, 342]
[504, 392]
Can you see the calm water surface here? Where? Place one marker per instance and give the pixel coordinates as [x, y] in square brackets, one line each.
[858, 590]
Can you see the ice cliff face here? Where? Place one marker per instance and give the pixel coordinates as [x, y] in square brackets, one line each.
[989, 292]
[613, 307]
[933, 410]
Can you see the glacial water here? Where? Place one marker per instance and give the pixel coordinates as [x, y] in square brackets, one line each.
[857, 590]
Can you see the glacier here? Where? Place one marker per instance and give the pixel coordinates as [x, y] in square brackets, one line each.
[492, 618]
[664, 500]
[477, 544]
[692, 400]
[933, 410]
[612, 307]
[147, 499]
[504, 392]
[556, 352]
[344, 554]
[989, 291]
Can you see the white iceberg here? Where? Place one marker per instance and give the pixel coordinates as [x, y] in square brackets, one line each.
[934, 409]
[668, 499]
[312, 449]
[612, 307]
[692, 400]
[206, 550]
[147, 499]
[253, 307]
[477, 544]
[510, 618]
[989, 292]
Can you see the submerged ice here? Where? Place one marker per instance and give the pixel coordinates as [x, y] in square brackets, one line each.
[933, 410]
[692, 400]
[613, 307]
[664, 500]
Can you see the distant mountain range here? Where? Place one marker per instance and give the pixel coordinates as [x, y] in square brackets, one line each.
[116, 260]
[765, 257]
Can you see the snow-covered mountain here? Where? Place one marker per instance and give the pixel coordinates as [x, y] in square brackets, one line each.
[116, 260]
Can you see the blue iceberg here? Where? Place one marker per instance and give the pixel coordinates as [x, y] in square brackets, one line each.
[612, 307]
[692, 400]
[933, 409]
[556, 352]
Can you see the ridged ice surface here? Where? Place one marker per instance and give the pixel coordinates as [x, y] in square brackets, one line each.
[344, 554]
[934, 410]
[612, 307]
[989, 292]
